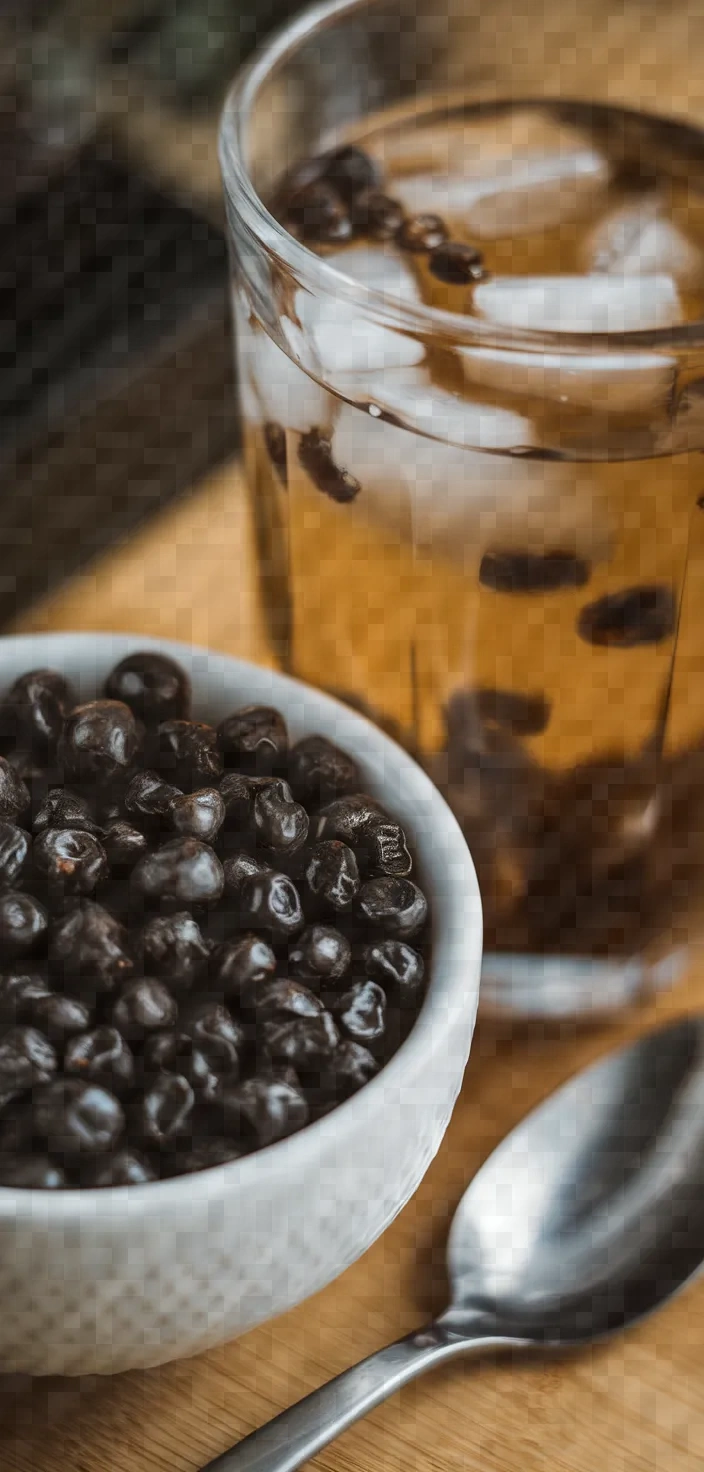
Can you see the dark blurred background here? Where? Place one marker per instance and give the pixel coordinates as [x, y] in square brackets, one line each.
[116, 389]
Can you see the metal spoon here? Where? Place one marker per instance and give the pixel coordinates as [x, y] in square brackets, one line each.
[589, 1216]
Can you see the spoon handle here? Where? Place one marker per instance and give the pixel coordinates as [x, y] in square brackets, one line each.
[300, 1432]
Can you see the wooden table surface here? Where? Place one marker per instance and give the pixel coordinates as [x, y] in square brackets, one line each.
[634, 1406]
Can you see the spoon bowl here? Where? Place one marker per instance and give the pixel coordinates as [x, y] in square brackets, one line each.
[588, 1217]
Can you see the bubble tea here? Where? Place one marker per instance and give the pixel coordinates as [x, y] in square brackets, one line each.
[475, 522]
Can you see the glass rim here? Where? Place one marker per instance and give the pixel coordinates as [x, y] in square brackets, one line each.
[315, 274]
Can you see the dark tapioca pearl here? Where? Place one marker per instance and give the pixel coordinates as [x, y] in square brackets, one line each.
[271, 901]
[31, 1173]
[319, 771]
[99, 742]
[262, 1110]
[361, 1013]
[103, 1057]
[72, 861]
[183, 870]
[524, 715]
[350, 1068]
[386, 851]
[124, 844]
[23, 925]
[15, 847]
[318, 214]
[307, 1043]
[34, 710]
[456, 264]
[198, 814]
[60, 1017]
[351, 171]
[149, 796]
[62, 808]
[122, 1168]
[351, 820]
[644, 615]
[145, 1005]
[165, 1112]
[90, 944]
[155, 687]
[14, 794]
[376, 215]
[239, 869]
[275, 441]
[397, 968]
[332, 874]
[422, 233]
[280, 824]
[176, 1052]
[74, 1117]
[242, 967]
[238, 792]
[204, 1156]
[397, 906]
[284, 998]
[216, 1033]
[254, 739]
[187, 753]
[316, 458]
[175, 949]
[321, 955]
[26, 1058]
[18, 993]
[532, 572]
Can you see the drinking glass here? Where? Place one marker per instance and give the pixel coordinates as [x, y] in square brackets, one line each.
[483, 526]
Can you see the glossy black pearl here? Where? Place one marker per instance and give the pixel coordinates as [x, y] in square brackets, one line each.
[307, 1043]
[272, 902]
[397, 968]
[124, 844]
[72, 861]
[18, 993]
[15, 847]
[26, 1058]
[155, 687]
[121, 1168]
[31, 1173]
[397, 906]
[177, 1052]
[319, 772]
[262, 1110]
[240, 868]
[63, 808]
[254, 738]
[75, 1117]
[149, 796]
[242, 967]
[23, 925]
[103, 1057]
[14, 794]
[60, 1017]
[351, 1066]
[89, 944]
[349, 819]
[280, 824]
[144, 1006]
[34, 710]
[198, 814]
[286, 998]
[187, 753]
[175, 950]
[332, 874]
[99, 742]
[216, 1033]
[184, 870]
[164, 1113]
[321, 954]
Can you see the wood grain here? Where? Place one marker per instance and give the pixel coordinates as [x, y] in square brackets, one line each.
[634, 1406]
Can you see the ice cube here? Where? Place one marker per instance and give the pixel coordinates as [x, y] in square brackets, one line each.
[522, 195]
[347, 341]
[461, 499]
[617, 383]
[280, 389]
[580, 303]
[640, 239]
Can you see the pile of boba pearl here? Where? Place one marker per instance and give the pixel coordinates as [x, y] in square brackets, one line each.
[209, 936]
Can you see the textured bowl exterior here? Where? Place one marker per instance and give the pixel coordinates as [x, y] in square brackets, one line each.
[103, 1281]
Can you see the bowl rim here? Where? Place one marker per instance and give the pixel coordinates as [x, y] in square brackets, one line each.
[454, 972]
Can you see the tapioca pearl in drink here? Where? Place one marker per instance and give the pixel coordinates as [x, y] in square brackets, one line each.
[631, 617]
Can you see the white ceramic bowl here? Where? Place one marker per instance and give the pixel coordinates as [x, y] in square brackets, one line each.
[100, 1281]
